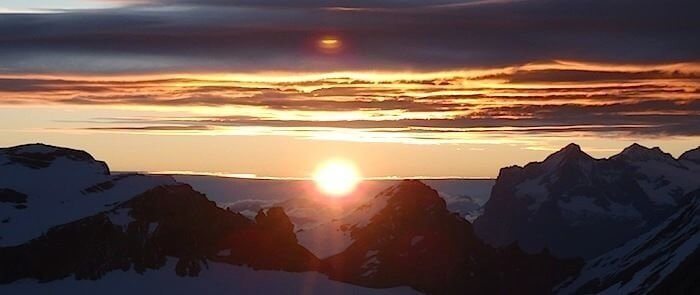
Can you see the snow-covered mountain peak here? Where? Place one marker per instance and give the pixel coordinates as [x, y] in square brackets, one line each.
[637, 152]
[415, 240]
[38, 156]
[43, 186]
[569, 155]
[36, 148]
[571, 148]
[409, 197]
[691, 155]
[143, 231]
[414, 198]
[567, 152]
[574, 195]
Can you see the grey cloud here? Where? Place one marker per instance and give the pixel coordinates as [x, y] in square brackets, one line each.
[272, 35]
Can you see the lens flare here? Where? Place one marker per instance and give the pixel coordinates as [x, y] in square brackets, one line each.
[329, 44]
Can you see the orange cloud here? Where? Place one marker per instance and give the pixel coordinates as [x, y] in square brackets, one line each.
[544, 98]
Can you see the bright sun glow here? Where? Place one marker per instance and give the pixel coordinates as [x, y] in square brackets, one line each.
[336, 178]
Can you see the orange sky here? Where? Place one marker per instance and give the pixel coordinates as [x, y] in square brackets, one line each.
[465, 123]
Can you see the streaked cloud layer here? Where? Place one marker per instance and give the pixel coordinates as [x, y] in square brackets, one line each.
[543, 99]
[521, 74]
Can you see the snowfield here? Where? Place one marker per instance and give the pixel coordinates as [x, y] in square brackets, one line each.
[61, 189]
[219, 278]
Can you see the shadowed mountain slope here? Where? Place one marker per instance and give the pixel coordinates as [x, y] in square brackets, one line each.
[414, 240]
[576, 205]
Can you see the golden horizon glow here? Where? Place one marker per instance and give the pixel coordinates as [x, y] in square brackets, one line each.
[336, 178]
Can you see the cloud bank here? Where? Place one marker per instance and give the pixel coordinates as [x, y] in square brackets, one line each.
[252, 36]
[407, 71]
[552, 99]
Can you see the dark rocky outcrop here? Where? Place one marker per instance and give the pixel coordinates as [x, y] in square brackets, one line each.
[105, 185]
[416, 241]
[685, 279]
[167, 221]
[11, 196]
[270, 244]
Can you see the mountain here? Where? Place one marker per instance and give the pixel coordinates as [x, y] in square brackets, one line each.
[691, 156]
[64, 214]
[665, 260]
[308, 208]
[333, 237]
[575, 205]
[118, 229]
[412, 239]
[330, 238]
[141, 233]
[67, 220]
[42, 186]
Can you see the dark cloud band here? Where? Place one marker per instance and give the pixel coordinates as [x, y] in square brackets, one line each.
[237, 36]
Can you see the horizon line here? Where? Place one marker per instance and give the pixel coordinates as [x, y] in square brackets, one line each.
[253, 176]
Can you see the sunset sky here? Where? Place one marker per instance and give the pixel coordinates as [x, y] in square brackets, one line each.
[400, 87]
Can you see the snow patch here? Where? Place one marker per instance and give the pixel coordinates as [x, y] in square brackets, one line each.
[370, 265]
[332, 238]
[371, 253]
[55, 195]
[121, 217]
[417, 239]
[152, 226]
[661, 180]
[534, 190]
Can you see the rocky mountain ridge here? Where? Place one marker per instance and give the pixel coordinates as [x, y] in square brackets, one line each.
[414, 240]
[141, 233]
[42, 186]
[571, 198]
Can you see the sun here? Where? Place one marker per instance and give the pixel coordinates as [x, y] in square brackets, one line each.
[336, 178]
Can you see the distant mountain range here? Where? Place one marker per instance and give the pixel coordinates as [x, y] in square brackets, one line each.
[308, 208]
[633, 217]
[577, 206]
